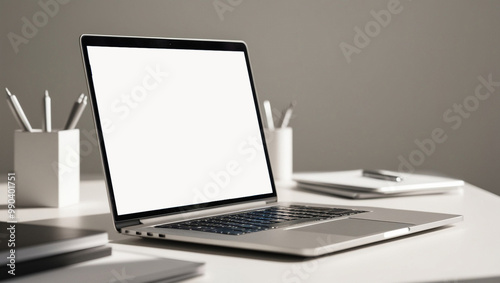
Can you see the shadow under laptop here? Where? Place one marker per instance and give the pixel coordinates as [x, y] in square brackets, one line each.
[104, 222]
[250, 254]
[208, 249]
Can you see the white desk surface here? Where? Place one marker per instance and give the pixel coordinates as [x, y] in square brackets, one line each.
[470, 249]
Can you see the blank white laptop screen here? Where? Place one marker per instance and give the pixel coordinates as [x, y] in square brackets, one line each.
[179, 126]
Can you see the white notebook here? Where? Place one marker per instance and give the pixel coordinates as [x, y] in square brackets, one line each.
[353, 184]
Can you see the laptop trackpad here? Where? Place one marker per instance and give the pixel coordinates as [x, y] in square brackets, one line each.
[353, 227]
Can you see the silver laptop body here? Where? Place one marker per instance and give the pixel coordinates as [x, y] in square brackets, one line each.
[181, 140]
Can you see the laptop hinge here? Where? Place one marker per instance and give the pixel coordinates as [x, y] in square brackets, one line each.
[202, 213]
[126, 223]
[271, 200]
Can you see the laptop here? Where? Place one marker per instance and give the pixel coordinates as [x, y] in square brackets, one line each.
[185, 158]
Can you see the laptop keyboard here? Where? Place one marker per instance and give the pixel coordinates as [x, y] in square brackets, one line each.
[261, 219]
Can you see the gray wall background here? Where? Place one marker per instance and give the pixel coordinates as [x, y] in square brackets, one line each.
[363, 114]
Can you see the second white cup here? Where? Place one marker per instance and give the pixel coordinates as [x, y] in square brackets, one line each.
[280, 147]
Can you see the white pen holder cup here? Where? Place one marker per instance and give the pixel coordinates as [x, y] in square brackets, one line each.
[280, 147]
[47, 167]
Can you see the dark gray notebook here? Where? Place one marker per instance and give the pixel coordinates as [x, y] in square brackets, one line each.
[56, 261]
[21, 242]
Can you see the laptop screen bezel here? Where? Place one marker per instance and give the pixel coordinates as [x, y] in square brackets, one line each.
[165, 43]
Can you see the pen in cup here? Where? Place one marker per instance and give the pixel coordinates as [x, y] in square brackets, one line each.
[269, 115]
[18, 112]
[47, 113]
[76, 112]
[288, 115]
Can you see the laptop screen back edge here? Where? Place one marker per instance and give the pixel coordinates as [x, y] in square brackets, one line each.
[178, 124]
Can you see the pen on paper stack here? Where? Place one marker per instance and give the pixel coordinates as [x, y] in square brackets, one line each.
[76, 112]
[18, 112]
[381, 175]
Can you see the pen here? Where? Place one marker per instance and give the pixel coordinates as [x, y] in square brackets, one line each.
[47, 113]
[269, 115]
[18, 112]
[382, 175]
[76, 112]
[288, 115]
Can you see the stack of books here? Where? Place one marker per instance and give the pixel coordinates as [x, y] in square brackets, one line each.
[361, 184]
[26, 248]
